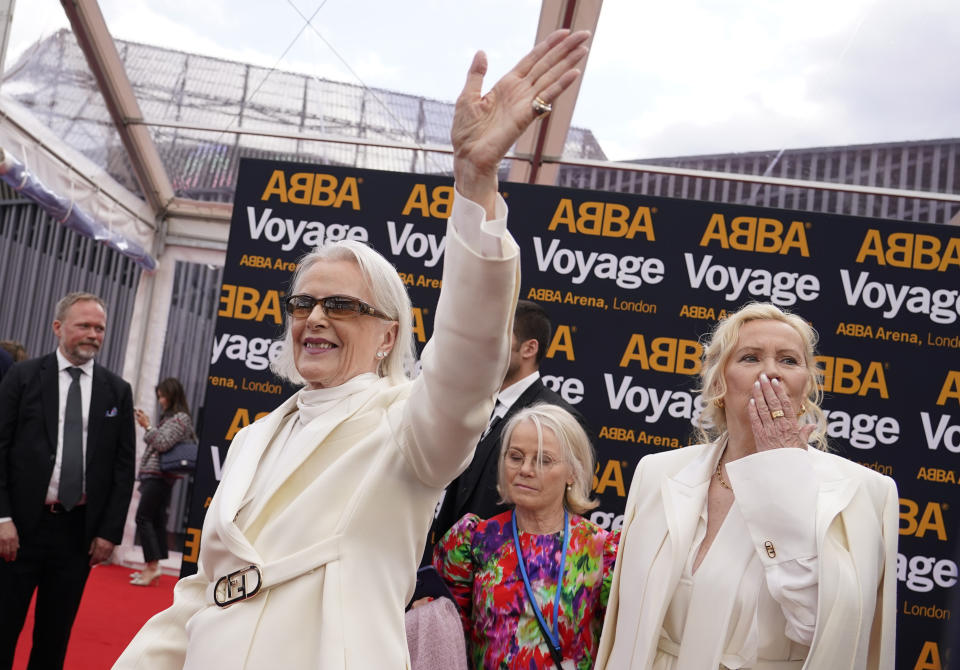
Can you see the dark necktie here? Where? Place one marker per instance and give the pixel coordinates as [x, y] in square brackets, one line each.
[71, 461]
[494, 419]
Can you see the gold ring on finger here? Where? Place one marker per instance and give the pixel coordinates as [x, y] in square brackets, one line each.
[776, 414]
[541, 107]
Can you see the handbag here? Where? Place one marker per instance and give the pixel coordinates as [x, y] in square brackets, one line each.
[180, 459]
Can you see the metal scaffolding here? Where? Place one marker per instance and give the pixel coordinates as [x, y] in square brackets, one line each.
[204, 114]
[868, 179]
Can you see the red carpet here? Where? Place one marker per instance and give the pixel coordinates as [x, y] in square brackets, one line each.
[111, 613]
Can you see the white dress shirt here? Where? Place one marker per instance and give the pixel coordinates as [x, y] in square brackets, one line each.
[503, 403]
[512, 393]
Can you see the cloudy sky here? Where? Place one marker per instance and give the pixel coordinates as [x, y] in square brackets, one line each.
[670, 78]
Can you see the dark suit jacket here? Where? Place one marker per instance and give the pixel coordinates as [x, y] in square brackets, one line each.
[6, 360]
[29, 399]
[475, 490]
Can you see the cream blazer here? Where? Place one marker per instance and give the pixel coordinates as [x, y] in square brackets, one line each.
[338, 543]
[856, 543]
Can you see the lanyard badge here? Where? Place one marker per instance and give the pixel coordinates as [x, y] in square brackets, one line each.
[554, 634]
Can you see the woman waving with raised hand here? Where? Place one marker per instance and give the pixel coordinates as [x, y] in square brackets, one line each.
[311, 542]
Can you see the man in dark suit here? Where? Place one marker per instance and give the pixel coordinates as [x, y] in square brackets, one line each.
[475, 490]
[66, 474]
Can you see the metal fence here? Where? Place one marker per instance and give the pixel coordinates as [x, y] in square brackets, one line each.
[193, 315]
[40, 262]
[186, 356]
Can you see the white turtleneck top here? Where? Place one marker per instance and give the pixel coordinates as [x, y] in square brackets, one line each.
[312, 404]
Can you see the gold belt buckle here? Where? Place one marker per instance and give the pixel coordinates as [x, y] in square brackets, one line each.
[237, 586]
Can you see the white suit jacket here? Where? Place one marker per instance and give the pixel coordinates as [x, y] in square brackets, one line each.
[856, 543]
[339, 542]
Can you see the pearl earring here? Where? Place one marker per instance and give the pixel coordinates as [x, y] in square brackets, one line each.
[380, 354]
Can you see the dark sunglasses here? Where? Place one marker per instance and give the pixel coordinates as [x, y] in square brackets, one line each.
[334, 306]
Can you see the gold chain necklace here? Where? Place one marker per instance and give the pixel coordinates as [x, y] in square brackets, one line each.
[720, 476]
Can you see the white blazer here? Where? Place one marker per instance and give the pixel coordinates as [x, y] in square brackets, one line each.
[337, 545]
[855, 526]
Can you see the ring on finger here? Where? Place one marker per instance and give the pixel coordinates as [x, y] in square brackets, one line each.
[540, 106]
[776, 414]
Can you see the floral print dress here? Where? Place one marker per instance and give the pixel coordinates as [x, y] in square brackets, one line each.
[478, 561]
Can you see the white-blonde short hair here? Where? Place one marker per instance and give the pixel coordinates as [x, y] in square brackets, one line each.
[575, 449]
[389, 296]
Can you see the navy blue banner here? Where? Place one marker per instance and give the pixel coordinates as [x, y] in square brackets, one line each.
[632, 283]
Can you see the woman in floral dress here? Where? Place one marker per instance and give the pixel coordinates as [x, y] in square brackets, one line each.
[546, 472]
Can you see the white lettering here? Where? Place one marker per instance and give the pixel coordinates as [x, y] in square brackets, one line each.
[290, 233]
[638, 399]
[625, 271]
[256, 353]
[946, 434]
[940, 305]
[782, 288]
[570, 388]
[862, 431]
[416, 245]
[914, 572]
[217, 463]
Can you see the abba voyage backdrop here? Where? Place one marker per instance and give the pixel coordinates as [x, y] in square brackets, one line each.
[631, 283]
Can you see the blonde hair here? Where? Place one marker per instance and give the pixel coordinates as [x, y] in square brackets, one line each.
[575, 450]
[717, 351]
[389, 296]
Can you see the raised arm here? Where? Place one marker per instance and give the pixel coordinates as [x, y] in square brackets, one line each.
[464, 363]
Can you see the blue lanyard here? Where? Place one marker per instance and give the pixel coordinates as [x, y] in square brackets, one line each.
[555, 637]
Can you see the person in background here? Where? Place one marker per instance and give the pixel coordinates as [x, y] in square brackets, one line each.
[15, 349]
[755, 549]
[10, 352]
[6, 362]
[311, 541]
[532, 583]
[174, 426]
[67, 449]
[475, 490]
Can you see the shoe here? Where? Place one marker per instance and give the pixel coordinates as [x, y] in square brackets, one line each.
[146, 580]
[135, 574]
